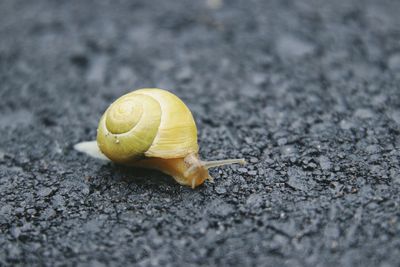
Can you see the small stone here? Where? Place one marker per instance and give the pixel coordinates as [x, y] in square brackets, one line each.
[282, 141]
[291, 46]
[325, 163]
[86, 190]
[15, 232]
[214, 4]
[58, 201]
[48, 213]
[19, 210]
[372, 149]
[249, 140]
[395, 115]
[220, 208]
[92, 226]
[259, 78]
[45, 192]
[14, 252]
[242, 170]
[252, 173]
[255, 201]
[126, 75]
[346, 125]
[288, 150]
[5, 210]
[184, 74]
[164, 65]
[297, 179]
[31, 211]
[253, 160]
[379, 100]
[331, 231]
[364, 113]
[96, 73]
[220, 190]
[312, 165]
[394, 62]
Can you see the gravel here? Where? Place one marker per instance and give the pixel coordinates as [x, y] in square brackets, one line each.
[307, 91]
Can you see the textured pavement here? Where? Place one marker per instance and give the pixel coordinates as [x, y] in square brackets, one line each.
[307, 91]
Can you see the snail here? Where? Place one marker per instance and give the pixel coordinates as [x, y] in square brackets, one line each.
[152, 128]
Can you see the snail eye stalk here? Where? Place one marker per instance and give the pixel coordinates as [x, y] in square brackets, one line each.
[217, 163]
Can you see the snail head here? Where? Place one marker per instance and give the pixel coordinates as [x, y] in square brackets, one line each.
[197, 170]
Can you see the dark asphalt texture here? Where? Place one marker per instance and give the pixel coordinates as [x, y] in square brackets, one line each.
[307, 91]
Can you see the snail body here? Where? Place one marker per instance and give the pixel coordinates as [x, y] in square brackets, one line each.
[152, 128]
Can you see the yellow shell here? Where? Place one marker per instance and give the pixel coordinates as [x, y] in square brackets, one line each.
[147, 123]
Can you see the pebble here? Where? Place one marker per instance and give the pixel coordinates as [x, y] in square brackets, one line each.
[346, 125]
[46, 192]
[291, 46]
[259, 78]
[364, 113]
[97, 70]
[325, 163]
[252, 173]
[14, 252]
[184, 74]
[372, 149]
[394, 62]
[282, 141]
[254, 201]
[297, 179]
[288, 150]
[214, 4]
[15, 232]
[220, 208]
[48, 213]
[220, 190]
[253, 160]
[242, 170]
[395, 115]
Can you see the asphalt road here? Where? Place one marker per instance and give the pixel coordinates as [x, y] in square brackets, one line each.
[307, 91]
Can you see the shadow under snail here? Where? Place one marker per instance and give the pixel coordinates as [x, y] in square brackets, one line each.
[152, 128]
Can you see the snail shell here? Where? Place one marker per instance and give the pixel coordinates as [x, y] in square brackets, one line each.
[152, 128]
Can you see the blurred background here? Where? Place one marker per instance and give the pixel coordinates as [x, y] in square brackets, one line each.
[307, 91]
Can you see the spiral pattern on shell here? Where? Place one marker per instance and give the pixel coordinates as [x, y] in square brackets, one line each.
[147, 123]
